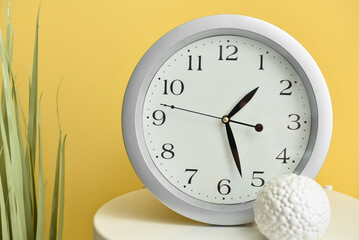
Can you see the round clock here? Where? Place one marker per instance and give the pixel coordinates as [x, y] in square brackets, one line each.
[216, 108]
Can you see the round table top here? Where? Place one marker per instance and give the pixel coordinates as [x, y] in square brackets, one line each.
[139, 215]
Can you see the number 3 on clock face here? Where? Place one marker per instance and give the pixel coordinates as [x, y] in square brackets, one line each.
[219, 113]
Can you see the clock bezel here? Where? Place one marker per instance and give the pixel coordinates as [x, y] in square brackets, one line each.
[287, 46]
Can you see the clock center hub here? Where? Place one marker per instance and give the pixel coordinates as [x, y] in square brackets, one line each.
[225, 119]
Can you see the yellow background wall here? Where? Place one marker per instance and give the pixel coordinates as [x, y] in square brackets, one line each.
[95, 45]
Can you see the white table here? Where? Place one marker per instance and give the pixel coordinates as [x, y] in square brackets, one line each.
[139, 215]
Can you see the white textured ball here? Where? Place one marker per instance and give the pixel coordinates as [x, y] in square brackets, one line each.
[292, 207]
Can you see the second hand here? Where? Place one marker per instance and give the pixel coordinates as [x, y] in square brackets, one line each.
[204, 114]
[258, 127]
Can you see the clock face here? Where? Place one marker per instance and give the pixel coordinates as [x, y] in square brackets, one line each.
[223, 115]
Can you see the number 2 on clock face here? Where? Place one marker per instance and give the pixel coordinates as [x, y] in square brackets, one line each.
[223, 93]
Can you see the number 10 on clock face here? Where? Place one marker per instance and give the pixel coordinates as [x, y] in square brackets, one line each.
[223, 115]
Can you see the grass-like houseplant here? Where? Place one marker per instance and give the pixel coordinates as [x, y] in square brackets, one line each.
[22, 190]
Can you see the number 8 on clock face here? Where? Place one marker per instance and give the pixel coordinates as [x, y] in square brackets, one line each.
[221, 112]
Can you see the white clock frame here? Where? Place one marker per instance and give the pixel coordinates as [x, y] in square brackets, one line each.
[274, 37]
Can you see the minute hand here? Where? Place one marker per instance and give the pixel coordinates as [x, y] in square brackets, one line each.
[233, 146]
[242, 102]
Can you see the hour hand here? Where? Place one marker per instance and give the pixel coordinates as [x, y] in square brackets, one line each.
[234, 150]
[243, 102]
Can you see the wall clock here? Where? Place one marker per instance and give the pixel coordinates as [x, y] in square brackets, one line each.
[216, 108]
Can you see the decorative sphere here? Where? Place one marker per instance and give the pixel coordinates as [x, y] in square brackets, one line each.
[292, 207]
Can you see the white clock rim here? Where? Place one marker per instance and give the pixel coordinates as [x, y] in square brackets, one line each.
[165, 47]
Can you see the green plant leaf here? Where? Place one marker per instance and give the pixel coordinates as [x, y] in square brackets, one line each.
[31, 133]
[40, 231]
[31, 162]
[9, 37]
[56, 233]
[62, 193]
[33, 96]
[4, 223]
[9, 178]
[21, 215]
[26, 169]
[55, 197]
[12, 152]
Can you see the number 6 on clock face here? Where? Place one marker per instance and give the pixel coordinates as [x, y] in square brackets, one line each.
[214, 112]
